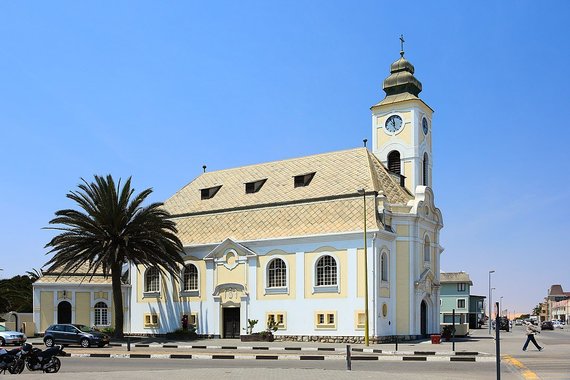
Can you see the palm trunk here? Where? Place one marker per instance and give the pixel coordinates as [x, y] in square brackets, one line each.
[117, 299]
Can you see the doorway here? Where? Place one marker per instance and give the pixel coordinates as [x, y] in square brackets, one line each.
[423, 318]
[231, 322]
[64, 312]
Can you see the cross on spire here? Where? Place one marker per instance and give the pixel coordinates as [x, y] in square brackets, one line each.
[402, 45]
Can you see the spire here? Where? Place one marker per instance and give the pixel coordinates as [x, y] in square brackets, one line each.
[401, 79]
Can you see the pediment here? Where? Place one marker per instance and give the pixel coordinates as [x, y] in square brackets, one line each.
[229, 246]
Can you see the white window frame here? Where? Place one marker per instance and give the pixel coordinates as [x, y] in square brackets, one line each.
[464, 302]
[99, 310]
[326, 288]
[150, 293]
[461, 287]
[276, 289]
[190, 292]
[384, 269]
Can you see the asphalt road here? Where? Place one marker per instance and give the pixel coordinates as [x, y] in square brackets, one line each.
[173, 369]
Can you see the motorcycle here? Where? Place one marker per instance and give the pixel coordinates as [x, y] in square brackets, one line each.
[10, 361]
[38, 360]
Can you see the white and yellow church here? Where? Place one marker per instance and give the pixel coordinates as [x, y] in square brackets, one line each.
[284, 241]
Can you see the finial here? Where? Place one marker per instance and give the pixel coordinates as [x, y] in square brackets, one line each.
[402, 45]
[365, 141]
[204, 168]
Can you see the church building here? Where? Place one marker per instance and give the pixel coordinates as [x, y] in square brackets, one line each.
[285, 241]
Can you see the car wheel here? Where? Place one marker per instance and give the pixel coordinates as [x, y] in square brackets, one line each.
[85, 343]
[2, 342]
[49, 342]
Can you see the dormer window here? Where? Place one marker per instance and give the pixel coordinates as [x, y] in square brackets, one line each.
[253, 187]
[304, 179]
[209, 192]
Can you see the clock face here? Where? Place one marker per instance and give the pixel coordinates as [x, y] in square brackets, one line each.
[425, 125]
[394, 123]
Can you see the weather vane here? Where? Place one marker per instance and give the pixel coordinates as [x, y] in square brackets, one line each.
[402, 45]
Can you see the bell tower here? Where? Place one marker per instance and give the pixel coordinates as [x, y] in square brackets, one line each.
[402, 127]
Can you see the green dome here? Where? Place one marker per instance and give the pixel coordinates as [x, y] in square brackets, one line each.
[402, 78]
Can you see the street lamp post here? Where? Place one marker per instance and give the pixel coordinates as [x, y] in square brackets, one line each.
[490, 300]
[366, 342]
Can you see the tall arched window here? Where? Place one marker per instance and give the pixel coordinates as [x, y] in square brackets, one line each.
[326, 271]
[394, 162]
[152, 280]
[426, 168]
[276, 274]
[190, 278]
[101, 314]
[427, 250]
[384, 266]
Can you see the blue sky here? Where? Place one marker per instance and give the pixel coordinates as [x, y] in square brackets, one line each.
[157, 89]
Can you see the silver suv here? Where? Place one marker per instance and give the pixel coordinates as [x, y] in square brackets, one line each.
[11, 337]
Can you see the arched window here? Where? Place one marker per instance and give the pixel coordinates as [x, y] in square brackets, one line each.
[326, 271]
[101, 314]
[426, 168]
[384, 266]
[394, 162]
[152, 280]
[276, 274]
[427, 250]
[190, 278]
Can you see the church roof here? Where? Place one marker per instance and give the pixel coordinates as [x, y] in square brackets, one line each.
[453, 277]
[329, 203]
[81, 275]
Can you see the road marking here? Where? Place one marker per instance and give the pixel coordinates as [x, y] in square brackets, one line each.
[526, 373]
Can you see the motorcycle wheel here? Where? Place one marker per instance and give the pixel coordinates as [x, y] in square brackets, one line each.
[17, 367]
[55, 365]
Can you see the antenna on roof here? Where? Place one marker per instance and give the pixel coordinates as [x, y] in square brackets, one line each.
[204, 168]
[365, 141]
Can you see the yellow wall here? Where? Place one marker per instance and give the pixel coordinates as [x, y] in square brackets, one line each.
[342, 261]
[140, 286]
[408, 173]
[403, 286]
[291, 275]
[384, 292]
[360, 273]
[235, 275]
[402, 230]
[83, 308]
[46, 310]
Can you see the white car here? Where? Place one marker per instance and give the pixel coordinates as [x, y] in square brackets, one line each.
[557, 324]
[11, 337]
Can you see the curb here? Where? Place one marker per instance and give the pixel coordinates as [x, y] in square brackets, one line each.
[287, 357]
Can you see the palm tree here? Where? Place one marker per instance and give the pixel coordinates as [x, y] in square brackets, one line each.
[35, 274]
[110, 229]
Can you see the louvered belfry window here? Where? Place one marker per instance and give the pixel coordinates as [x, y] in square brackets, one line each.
[426, 168]
[394, 162]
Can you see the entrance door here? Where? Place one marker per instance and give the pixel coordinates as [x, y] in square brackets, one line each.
[231, 322]
[423, 318]
[64, 312]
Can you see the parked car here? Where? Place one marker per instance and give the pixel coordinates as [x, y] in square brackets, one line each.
[518, 322]
[74, 334]
[557, 324]
[504, 324]
[11, 337]
[547, 325]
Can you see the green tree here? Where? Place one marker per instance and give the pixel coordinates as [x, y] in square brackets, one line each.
[16, 295]
[537, 309]
[110, 229]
